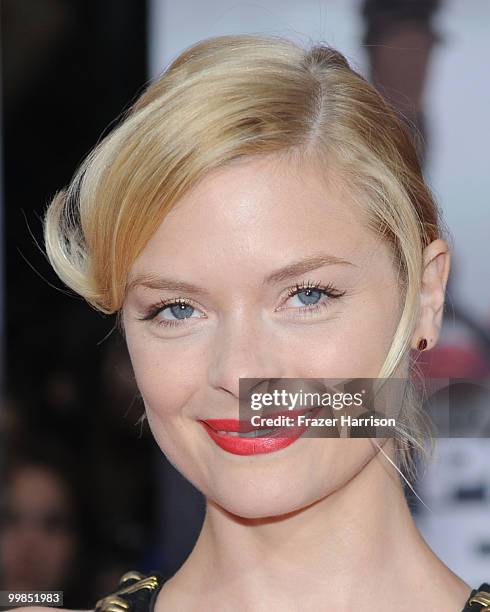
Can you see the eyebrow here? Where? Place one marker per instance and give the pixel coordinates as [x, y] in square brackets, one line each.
[305, 265]
[291, 270]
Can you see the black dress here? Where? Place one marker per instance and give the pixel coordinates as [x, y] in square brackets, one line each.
[138, 592]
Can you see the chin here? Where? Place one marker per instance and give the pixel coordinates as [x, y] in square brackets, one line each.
[261, 497]
[259, 507]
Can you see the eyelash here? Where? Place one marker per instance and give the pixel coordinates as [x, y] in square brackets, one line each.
[328, 290]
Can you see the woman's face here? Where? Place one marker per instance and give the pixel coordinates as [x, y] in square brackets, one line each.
[229, 237]
[38, 542]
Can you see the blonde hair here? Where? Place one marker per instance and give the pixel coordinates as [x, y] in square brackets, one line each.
[230, 97]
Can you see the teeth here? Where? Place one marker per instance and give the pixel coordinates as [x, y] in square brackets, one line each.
[249, 434]
[256, 432]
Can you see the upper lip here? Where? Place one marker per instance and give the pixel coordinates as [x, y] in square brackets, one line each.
[246, 425]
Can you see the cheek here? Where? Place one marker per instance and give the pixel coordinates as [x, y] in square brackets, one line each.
[167, 373]
[353, 344]
[366, 337]
[364, 346]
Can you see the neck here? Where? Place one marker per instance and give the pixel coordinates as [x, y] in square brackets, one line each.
[360, 539]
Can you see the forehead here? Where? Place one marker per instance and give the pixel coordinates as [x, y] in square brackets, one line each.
[259, 207]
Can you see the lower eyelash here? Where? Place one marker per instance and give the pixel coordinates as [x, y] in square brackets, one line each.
[312, 309]
[170, 322]
[308, 310]
[154, 310]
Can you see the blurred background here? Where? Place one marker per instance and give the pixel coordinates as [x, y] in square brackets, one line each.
[85, 492]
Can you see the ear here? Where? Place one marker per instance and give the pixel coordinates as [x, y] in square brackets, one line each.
[432, 293]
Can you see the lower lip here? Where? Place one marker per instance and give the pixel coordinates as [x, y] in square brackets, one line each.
[238, 445]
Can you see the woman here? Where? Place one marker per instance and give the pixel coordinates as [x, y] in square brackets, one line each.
[260, 212]
[43, 531]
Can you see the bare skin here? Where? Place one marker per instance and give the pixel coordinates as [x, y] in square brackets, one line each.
[322, 524]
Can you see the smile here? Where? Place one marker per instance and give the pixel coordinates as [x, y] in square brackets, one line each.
[231, 434]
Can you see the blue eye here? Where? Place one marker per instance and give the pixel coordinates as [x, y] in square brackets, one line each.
[179, 310]
[312, 297]
[311, 294]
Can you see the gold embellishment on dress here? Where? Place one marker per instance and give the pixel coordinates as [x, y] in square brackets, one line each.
[112, 603]
[115, 603]
[482, 598]
[130, 576]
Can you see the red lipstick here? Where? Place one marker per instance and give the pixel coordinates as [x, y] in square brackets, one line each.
[278, 438]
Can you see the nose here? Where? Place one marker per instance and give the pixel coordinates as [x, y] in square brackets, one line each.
[244, 348]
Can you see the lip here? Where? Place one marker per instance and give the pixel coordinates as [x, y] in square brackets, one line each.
[238, 445]
[236, 425]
